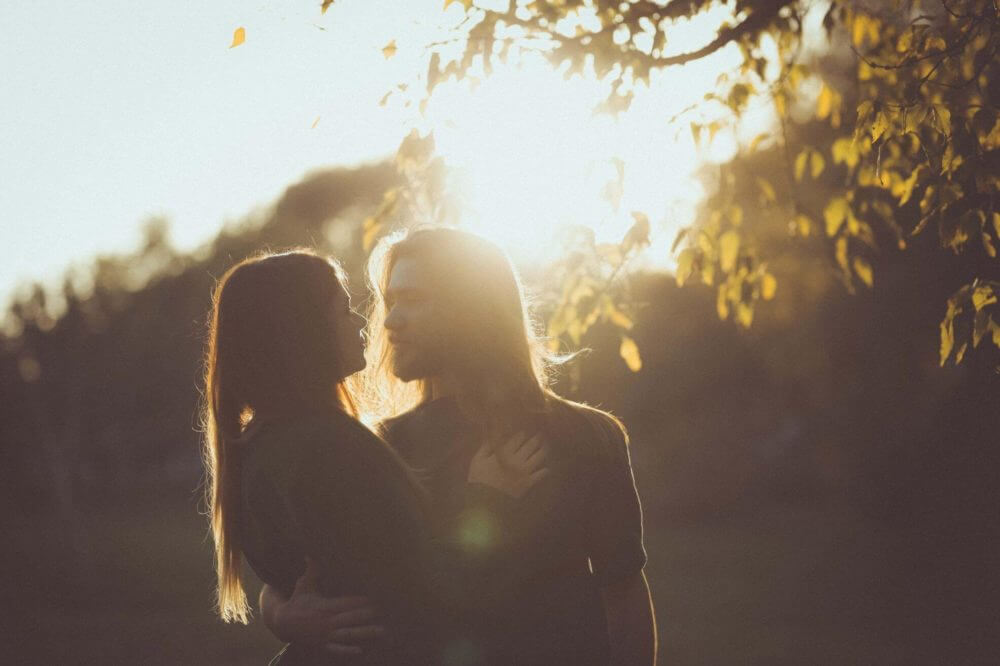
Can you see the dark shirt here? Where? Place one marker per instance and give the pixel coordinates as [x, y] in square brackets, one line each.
[326, 487]
[576, 531]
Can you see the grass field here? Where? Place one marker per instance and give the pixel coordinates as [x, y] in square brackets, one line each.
[778, 585]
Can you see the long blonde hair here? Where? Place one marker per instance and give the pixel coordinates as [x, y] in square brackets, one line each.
[270, 352]
[502, 363]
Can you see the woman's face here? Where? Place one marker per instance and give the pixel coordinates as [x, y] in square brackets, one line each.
[347, 327]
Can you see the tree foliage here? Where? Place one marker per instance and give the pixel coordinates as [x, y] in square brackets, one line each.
[885, 119]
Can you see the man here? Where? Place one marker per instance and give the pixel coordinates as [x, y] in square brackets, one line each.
[453, 353]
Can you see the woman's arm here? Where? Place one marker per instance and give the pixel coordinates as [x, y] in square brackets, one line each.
[342, 625]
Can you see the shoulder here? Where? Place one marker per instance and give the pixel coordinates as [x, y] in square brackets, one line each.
[308, 436]
[399, 430]
[595, 431]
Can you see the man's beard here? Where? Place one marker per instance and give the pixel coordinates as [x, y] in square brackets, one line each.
[411, 365]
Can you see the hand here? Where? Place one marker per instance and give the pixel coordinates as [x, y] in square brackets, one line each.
[513, 467]
[342, 625]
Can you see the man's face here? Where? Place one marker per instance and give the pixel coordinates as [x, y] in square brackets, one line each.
[413, 322]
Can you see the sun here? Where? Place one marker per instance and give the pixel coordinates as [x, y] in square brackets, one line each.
[528, 156]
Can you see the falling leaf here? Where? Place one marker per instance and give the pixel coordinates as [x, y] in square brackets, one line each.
[315, 122]
[239, 36]
[389, 49]
[325, 6]
[629, 352]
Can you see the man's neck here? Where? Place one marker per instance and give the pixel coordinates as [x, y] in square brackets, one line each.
[443, 386]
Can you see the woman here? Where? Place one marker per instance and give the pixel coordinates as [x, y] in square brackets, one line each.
[294, 475]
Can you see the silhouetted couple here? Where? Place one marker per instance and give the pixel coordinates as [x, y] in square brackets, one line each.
[485, 520]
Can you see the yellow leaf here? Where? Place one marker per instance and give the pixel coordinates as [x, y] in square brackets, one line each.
[905, 41]
[988, 245]
[629, 352]
[816, 164]
[996, 224]
[864, 110]
[864, 271]
[947, 339]
[825, 102]
[389, 49]
[315, 122]
[780, 104]
[834, 214]
[467, 4]
[880, 126]
[802, 225]
[638, 233]
[744, 314]
[767, 193]
[239, 36]
[735, 215]
[685, 262]
[983, 296]
[800, 163]
[768, 286]
[935, 43]
[729, 250]
[859, 29]
[943, 114]
[853, 224]
[841, 253]
[757, 141]
[721, 304]
[325, 6]
[708, 274]
[620, 319]
[960, 354]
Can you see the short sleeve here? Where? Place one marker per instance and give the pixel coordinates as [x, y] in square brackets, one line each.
[614, 524]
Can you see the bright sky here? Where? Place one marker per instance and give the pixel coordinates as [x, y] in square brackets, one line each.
[116, 111]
